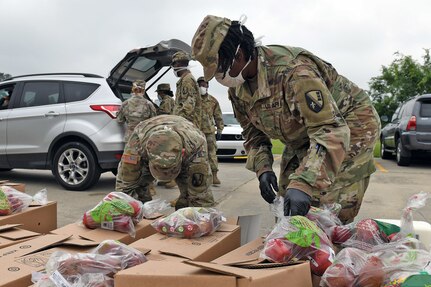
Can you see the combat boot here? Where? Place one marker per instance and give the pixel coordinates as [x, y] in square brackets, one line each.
[174, 202]
[152, 190]
[171, 184]
[215, 178]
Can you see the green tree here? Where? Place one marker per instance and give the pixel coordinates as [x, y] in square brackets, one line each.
[403, 79]
[4, 76]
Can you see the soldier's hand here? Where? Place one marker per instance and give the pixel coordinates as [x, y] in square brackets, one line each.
[296, 202]
[218, 136]
[267, 185]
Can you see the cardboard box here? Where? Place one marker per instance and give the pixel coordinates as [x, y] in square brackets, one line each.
[18, 261]
[198, 274]
[15, 185]
[204, 248]
[11, 234]
[40, 218]
[78, 232]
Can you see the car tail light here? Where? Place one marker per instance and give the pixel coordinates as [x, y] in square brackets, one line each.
[111, 110]
[411, 125]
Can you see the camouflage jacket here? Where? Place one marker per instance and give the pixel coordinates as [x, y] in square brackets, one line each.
[211, 110]
[166, 105]
[322, 118]
[194, 144]
[133, 111]
[188, 103]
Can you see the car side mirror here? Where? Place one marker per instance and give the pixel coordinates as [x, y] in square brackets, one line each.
[384, 118]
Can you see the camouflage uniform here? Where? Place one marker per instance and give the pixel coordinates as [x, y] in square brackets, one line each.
[328, 125]
[211, 110]
[167, 103]
[135, 110]
[188, 102]
[167, 147]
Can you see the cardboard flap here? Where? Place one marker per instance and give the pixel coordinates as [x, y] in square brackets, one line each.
[222, 269]
[31, 245]
[78, 242]
[248, 253]
[8, 226]
[17, 233]
[224, 227]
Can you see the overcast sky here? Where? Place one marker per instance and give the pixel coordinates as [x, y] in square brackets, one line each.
[357, 37]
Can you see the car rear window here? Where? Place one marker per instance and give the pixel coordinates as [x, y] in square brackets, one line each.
[78, 91]
[425, 111]
[40, 94]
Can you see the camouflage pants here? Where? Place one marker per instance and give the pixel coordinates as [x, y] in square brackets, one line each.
[194, 184]
[350, 197]
[212, 151]
[132, 180]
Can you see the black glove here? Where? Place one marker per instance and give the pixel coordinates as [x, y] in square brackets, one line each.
[296, 202]
[218, 136]
[267, 185]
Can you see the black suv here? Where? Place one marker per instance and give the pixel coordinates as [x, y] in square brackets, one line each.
[409, 131]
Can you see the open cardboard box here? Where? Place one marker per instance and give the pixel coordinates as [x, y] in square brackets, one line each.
[205, 248]
[36, 218]
[15, 185]
[11, 234]
[197, 274]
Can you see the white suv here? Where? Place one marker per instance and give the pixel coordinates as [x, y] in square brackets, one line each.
[66, 121]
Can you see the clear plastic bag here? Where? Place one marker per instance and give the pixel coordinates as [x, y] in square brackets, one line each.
[14, 201]
[155, 207]
[326, 217]
[129, 256]
[296, 237]
[88, 269]
[189, 222]
[117, 211]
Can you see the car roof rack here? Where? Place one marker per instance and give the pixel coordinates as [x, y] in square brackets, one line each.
[58, 74]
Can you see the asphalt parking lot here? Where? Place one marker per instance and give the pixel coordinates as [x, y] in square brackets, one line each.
[239, 194]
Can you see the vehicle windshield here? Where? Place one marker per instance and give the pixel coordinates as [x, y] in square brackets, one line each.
[229, 120]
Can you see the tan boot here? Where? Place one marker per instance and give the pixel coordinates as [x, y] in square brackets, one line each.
[215, 178]
[174, 202]
[152, 190]
[171, 184]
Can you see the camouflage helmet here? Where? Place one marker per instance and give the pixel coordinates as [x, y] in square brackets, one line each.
[164, 148]
[138, 85]
[180, 56]
[207, 41]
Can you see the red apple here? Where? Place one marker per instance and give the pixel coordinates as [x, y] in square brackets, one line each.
[320, 260]
[337, 275]
[367, 230]
[340, 234]
[277, 251]
[372, 274]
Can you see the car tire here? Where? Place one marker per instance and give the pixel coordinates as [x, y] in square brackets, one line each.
[75, 166]
[403, 156]
[114, 171]
[383, 153]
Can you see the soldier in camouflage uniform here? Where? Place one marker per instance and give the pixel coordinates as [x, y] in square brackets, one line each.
[328, 124]
[136, 109]
[211, 110]
[165, 96]
[167, 147]
[188, 103]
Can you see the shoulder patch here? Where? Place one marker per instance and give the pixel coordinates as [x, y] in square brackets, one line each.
[131, 159]
[314, 100]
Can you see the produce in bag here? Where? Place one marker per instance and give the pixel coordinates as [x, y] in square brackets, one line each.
[129, 256]
[155, 207]
[14, 201]
[117, 211]
[88, 269]
[296, 237]
[189, 222]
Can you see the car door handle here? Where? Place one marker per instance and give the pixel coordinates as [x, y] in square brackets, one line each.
[51, 114]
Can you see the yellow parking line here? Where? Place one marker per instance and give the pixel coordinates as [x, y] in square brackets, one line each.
[380, 167]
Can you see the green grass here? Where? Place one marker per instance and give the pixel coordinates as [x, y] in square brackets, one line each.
[277, 148]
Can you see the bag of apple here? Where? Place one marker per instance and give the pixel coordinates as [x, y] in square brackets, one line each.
[190, 222]
[117, 211]
[96, 268]
[296, 237]
[14, 201]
